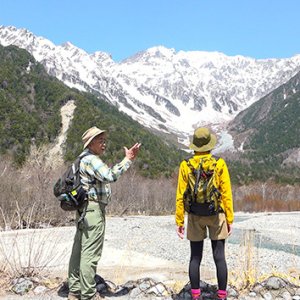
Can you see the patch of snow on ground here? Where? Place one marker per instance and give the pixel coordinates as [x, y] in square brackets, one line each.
[225, 142]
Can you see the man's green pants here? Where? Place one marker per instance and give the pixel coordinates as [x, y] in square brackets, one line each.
[86, 252]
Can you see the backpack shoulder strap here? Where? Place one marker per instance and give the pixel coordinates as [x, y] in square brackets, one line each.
[84, 154]
[216, 157]
[80, 157]
[187, 159]
[78, 160]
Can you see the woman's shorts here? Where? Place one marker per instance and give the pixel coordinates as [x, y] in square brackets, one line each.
[198, 225]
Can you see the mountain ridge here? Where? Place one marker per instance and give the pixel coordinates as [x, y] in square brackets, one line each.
[162, 89]
[35, 99]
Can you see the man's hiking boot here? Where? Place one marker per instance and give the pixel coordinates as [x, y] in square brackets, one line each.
[97, 297]
[73, 296]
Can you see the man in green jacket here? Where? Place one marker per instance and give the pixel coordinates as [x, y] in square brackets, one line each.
[89, 237]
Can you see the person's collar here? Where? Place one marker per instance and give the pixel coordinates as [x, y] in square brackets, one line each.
[87, 150]
[208, 153]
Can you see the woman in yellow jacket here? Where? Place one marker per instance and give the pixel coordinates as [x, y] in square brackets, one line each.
[219, 225]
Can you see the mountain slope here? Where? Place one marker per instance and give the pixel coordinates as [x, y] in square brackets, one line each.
[162, 89]
[268, 132]
[27, 106]
[30, 102]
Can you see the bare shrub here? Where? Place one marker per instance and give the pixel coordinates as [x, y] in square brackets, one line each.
[30, 252]
[27, 199]
[266, 197]
[134, 194]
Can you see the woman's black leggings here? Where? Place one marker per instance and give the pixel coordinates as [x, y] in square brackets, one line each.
[218, 248]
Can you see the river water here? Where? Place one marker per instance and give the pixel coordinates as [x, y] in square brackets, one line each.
[261, 240]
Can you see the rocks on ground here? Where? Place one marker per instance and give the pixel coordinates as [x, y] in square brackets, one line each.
[147, 288]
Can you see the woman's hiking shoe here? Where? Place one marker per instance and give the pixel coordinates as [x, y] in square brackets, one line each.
[222, 295]
[195, 294]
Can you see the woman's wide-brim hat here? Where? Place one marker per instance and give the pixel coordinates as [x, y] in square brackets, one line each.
[203, 140]
[88, 136]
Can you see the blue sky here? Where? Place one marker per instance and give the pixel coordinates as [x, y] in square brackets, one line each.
[255, 28]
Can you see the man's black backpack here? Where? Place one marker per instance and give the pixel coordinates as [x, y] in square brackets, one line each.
[68, 189]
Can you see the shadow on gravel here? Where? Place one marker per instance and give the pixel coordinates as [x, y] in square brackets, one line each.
[208, 291]
[104, 287]
[63, 291]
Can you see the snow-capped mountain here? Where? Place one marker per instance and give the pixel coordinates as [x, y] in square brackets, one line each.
[159, 87]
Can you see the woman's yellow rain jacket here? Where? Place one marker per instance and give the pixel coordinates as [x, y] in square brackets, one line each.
[222, 180]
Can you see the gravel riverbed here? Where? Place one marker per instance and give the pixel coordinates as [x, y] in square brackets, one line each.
[272, 238]
[267, 242]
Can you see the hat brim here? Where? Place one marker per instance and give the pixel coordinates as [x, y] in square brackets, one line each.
[92, 137]
[208, 147]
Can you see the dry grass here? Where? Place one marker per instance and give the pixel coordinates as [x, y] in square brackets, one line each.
[246, 275]
[248, 272]
[256, 203]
